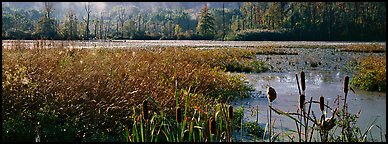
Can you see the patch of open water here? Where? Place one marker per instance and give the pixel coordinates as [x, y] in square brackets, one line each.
[326, 79]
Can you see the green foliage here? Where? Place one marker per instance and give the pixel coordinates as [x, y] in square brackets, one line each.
[238, 116]
[371, 74]
[205, 25]
[46, 29]
[247, 66]
[254, 129]
[17, 130]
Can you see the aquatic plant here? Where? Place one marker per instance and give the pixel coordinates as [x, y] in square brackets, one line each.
[271, 95]
[327, 126]
[370, 74]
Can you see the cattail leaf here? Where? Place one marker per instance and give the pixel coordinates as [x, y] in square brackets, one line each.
[352, 90]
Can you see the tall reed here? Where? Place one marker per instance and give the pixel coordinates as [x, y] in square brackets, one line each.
[271, 95]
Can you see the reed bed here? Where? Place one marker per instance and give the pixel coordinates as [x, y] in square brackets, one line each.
[366, 48]
[92, 91]
[375, 48]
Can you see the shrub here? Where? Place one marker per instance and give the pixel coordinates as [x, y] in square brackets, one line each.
[371, 74]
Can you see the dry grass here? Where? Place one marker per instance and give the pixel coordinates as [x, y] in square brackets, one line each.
[97, 88]
[364, 48]
[274, 49]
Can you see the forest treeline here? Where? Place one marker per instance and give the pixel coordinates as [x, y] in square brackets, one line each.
[350, 21]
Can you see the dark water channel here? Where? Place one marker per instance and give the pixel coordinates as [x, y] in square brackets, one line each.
[324, 79]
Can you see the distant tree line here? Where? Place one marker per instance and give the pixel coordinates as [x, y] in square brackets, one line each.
[359, 21]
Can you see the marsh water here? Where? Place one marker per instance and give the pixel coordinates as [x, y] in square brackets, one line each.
[318, 83]
[324, 68]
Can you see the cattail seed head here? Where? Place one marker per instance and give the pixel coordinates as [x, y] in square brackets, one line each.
[346, 84]
[145, 110]
[301, 101]
[230, 112]
[271, 94]
[178, 114]
[321, 103]
[302, 80]
[212, 125]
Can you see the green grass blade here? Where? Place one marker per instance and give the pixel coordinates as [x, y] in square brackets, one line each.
[142, 131]
[176, 93]
[135, 132]
[127, 134]
[191, 131]
[278, 111]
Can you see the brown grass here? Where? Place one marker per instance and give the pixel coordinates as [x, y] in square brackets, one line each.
[98, 87]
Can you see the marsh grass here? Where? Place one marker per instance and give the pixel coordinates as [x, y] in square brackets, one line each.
[364, 48]
[368, 48]
[371, 74]
[90, 92]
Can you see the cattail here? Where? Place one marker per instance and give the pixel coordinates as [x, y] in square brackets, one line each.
[271, 94]
[178, 114]
[346, 84]
[302, 80]
[321, 103]
[230, 112]
[301, 101]
[212, 125]
[145, 110]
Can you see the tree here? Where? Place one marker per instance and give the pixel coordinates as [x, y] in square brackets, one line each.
[122, 18]
[101, 25]
[87, 19]
[69, 30]
[223, 21]
[178, 31]
[7, 24]
[48, 6]
[205, 25]
[47, 27]
[130, 28]
[274, 15]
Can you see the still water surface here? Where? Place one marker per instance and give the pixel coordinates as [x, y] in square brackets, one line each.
[318, 83]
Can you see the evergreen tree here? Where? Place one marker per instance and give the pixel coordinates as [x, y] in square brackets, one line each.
[205, 25]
